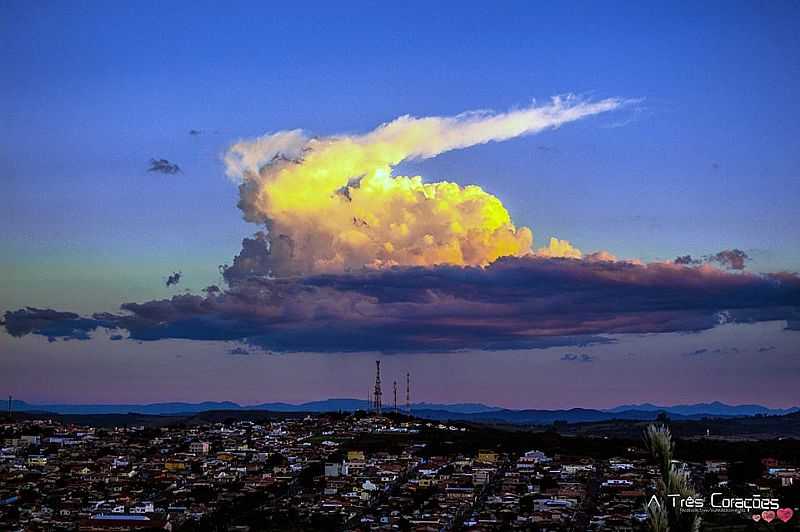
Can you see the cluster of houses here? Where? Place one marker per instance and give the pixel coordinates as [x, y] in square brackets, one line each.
[55, 476]
[321, 472]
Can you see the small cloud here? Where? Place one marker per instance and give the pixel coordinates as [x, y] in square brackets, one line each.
[212, 289]
[600, 256]
[163, 166]
[686, 260]
[717, 351]
[733, 259]
[766, 349]
[174, 279]
[696, 352]
[573, 357]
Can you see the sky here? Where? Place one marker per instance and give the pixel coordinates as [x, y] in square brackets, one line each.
[695, 153]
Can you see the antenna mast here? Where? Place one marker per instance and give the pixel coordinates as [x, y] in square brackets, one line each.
[378, 392]
[408, 392]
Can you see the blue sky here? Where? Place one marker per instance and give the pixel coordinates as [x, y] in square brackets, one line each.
[708, 159]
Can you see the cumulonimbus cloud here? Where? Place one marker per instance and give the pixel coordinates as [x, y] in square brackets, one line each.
[331, 204]
[353, 258]
[515, 303]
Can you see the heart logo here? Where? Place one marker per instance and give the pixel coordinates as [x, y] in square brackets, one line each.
[768, 515]
[784, 514]
[756, 517]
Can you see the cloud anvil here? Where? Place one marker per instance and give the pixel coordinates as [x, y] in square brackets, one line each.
[332, 203]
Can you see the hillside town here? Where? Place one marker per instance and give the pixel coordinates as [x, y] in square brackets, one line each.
[323, 472]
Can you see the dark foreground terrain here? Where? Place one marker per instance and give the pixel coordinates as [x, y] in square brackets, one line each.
[256, 470]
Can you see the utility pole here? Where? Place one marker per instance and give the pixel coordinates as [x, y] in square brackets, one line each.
[394, 383]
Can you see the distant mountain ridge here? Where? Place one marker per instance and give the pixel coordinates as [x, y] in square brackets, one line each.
[475, 412]
[574, 415]
[715, 408]
[327, 405]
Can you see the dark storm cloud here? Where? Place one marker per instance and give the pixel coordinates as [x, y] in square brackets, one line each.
[516, 303]
[174, 279]
[51, 323]
[163, 166]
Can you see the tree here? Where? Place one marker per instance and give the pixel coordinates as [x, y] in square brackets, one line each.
[665, 517]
